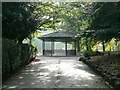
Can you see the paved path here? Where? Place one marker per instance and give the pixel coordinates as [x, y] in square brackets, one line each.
[56, 72]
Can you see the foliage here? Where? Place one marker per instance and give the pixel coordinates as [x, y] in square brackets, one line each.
[89, 22]
[108, 68]
[106, 15]
[90, 53]
[105, 20]
[66, 16]
[14, 55]
[18, 22]
[46, 13]
[73, 17]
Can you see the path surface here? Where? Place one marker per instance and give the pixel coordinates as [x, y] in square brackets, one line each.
[56, 72]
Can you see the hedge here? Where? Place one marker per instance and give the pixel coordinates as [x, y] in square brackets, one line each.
[14, 56]
[90, 53]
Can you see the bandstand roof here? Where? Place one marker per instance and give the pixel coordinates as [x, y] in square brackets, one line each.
[57, 36]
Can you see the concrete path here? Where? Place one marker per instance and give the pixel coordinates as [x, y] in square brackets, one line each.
[56, 72]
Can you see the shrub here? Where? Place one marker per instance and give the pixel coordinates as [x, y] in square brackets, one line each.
[14, 56]
[90, 53]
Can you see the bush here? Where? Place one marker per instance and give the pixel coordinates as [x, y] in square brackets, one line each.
[14, 56]
[90, 53]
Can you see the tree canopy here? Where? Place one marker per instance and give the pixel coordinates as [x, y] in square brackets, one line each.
[105, 20]
[96, 21]
[17, 20]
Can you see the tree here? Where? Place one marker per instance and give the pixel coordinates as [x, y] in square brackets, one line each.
[18, 22]
[105, 19]
[47, 15]
[74, 19]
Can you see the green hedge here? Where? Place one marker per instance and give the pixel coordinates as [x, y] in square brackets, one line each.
[14, 56]
[90, 53]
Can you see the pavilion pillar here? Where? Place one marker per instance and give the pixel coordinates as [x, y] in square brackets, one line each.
[75, 46]
[52, 48]
[43, 44]
[66, 48]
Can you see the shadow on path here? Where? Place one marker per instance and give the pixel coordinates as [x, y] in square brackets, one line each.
[55, 72]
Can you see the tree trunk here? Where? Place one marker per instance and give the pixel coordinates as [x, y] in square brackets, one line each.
[78, 45]
[103, 44]
[20, 41]
[87, 47]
